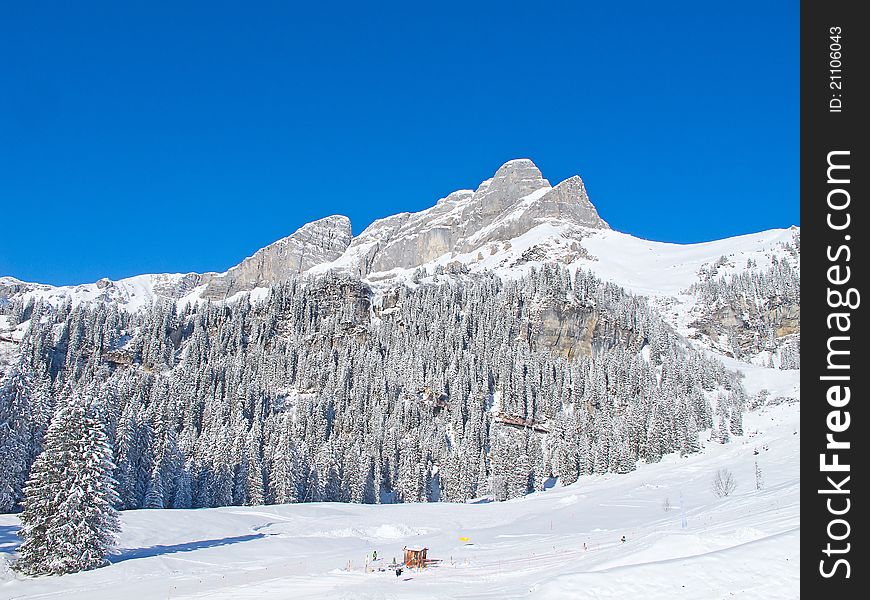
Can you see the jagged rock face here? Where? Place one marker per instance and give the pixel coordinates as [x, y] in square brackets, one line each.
[743, 323]
[516, 199]
[573, 329]
[9, 287]
[315, 243]
[176, 287]
[344, 305]
[347, 300]
[788, 319]
[514, 180]
[568, 201]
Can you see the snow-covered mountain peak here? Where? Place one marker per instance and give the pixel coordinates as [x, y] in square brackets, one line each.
[517, 203]
[512, 222]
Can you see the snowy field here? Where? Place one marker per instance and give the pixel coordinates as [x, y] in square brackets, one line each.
[560, 543]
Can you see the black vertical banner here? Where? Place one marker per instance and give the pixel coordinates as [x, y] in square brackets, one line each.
[835, 421]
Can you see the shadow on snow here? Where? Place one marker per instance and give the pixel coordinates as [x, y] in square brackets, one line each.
[131, 553]
[9, 540]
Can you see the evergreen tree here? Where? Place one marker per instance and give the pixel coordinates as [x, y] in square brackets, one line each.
[736, 423]
[154, 495]
[183, 493]
[16, 425]
[69, 523]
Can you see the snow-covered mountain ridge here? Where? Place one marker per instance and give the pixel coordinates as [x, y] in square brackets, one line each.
[512, 222]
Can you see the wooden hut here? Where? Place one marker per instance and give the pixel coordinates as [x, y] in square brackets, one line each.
[415, 556]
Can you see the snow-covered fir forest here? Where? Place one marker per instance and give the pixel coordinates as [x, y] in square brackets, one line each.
[757, 300]
[441, 390]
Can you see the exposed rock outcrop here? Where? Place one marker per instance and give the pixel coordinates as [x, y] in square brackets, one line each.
[745, 329]
[312, 244]
[576, 328]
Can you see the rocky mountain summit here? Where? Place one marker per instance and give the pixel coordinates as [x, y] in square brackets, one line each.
[510, 204]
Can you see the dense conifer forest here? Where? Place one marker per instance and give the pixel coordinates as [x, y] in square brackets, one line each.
[327, 391]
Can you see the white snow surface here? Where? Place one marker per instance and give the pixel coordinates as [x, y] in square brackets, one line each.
[743, 546]
[130, 293]
[663, 269]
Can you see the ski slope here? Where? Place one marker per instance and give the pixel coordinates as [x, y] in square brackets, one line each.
[743, 546]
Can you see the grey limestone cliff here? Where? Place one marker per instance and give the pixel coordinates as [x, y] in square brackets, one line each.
[312, 244]
[514, 201]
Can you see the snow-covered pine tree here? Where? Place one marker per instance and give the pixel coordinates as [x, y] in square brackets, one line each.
[736, 421]
[183, 489]
[16, 424]
[154, 495]
[69, 523]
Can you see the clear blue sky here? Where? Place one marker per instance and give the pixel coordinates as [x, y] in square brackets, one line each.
[182, 136]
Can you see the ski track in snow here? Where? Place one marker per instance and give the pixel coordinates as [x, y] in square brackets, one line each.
[743, 546]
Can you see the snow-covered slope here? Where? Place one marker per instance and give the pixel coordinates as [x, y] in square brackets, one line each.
[661, 269]
[666, 274]
[561, 543]
[131, 293]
